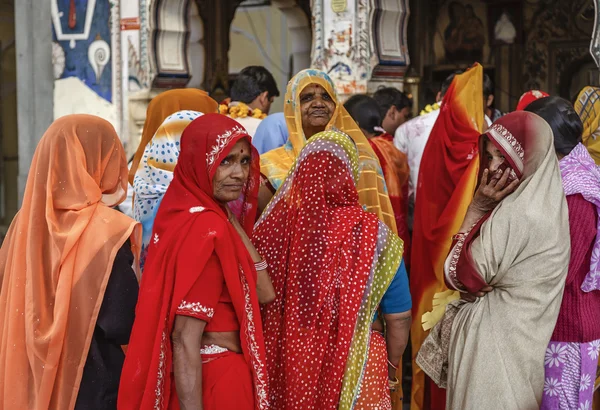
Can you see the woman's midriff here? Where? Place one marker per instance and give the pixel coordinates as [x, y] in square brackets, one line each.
[227, 340]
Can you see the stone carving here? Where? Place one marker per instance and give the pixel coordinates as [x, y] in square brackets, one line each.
[550, 21]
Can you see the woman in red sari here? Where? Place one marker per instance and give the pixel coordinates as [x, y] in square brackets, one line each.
[198, 330]
[334, 266]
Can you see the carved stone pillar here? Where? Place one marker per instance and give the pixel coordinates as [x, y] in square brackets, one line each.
[388, 25]
[361, 44]
[168, 41]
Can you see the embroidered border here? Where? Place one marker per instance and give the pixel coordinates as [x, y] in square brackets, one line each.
[160, 377]
[212, 349]
[250, 330]
[196, 209]
[221, 143]
[195, 308]
[456, 251]
[510, 144]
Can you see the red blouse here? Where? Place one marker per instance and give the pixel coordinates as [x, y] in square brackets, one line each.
[209, 300]
[577, 320]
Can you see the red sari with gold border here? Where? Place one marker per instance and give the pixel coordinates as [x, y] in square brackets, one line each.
[447, 179]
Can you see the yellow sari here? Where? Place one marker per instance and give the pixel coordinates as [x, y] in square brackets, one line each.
[587, 107]
[275, 164]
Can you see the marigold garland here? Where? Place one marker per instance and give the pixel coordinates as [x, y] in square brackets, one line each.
[241, 110]
[430, 108]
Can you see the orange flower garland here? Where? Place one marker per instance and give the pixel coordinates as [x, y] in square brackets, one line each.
[241, 110]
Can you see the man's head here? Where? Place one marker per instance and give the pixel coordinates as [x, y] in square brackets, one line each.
[395, 108]
[256, 87]
[445, 85]
[488, 95]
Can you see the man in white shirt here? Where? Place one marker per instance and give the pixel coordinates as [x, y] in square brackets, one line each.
[253, 90]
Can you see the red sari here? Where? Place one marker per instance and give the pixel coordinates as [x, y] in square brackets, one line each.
[447, 178]
[330, 262]
[189, 229]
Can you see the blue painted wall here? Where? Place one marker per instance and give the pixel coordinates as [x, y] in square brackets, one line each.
[77, 63]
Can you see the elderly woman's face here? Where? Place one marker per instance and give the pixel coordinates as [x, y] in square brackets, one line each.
[316, 107]
[232, 174]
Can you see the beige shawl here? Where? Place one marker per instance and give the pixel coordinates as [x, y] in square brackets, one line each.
[495, 346]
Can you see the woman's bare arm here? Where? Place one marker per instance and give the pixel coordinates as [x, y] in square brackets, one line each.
[264, 287]
[187, 362]
[397, 327]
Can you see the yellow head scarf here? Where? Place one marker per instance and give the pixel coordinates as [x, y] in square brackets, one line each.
[588, 109]
[275, 164]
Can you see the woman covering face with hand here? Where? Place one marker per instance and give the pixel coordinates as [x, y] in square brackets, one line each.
[509, 260]
[198, 330]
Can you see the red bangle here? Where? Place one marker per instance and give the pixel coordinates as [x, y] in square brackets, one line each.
[391, 364]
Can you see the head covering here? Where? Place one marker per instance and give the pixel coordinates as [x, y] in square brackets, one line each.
[56, 261]
[330, 263]
[155, 171]
[587, 107]
[581, 175]
[447, 178]
[525, 259]
[276, 164]
[271, 133]
[529, 97]
[165, 104]
[189, 228]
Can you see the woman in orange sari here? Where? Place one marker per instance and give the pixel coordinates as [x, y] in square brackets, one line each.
[68, 290]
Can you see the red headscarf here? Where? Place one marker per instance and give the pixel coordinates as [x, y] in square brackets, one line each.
[529, 97]
[190, 226]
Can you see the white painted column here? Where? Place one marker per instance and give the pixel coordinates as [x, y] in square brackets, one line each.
[35, 80]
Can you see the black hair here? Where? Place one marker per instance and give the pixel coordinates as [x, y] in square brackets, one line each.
[388, 96]
[562, 118]
[251, 82]
[365, 111]
[488, 86]
[448, 81]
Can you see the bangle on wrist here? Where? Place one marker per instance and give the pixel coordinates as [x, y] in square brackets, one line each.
[261, 265]
[392, 364]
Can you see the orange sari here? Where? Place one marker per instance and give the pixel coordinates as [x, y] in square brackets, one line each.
[394, 164]
[446, 184]
[165, 104]
[56, 261]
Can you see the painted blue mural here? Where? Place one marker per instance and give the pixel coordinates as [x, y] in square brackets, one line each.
[82, 29]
